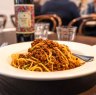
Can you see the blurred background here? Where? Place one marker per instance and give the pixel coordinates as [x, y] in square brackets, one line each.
[7, 7]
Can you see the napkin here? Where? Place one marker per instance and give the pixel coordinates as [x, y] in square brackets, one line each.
[4, 44]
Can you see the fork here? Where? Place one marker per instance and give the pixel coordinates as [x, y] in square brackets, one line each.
[84, 57]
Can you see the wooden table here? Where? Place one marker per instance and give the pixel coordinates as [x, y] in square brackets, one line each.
[79, 38]
[8, 35]
[85, 85]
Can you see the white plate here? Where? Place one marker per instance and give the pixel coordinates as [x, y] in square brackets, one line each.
[8, 70]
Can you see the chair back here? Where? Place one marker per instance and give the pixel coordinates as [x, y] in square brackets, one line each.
[47, 18]
[85, 24]
[54, 19]
[12, 17]
[57, 18]
[83, 19]
[3, 20]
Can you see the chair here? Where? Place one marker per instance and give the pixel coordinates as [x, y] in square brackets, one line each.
[47, 18]
[13, 20]
[71, 23]
[54, 19]
[85, 24]
[3, 19]
[83, 20]
[57, 18]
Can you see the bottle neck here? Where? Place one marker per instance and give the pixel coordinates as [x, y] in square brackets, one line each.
[23, 1]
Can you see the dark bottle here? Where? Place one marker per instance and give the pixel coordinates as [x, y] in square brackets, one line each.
[24, 13]
[23, 1]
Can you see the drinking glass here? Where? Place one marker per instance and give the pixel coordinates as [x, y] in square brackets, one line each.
[65, 33]
[41, 30]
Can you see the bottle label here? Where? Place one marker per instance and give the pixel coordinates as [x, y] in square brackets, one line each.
[24, 18]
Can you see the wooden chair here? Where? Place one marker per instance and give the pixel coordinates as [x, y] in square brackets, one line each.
[47, 18]
[12, 17]
[54, 19]
[71, 23]
[57, 18]
[4, 20]
[83, 20]
[85, 23]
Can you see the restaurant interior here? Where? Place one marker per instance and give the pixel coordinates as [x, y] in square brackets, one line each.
[19, 25]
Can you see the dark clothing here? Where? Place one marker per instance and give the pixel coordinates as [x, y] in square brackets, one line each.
[37, 7]
[66, 10]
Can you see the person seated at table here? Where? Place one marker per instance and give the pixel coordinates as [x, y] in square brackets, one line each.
[67, 10]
